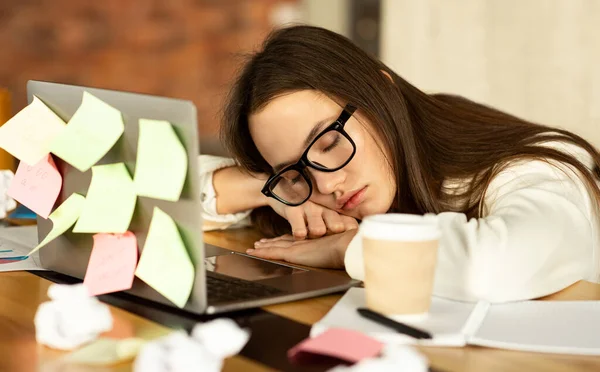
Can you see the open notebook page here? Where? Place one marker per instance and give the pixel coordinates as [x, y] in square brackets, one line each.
[447, 321]
[570, 327]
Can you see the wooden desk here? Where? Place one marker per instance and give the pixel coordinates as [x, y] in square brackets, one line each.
[21, 293]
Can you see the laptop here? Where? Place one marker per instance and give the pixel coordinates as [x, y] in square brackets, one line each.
[224, 280]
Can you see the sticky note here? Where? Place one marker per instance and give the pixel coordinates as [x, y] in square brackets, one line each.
[161, 164]
[112, 263]
[92, 131]
[37, 187]
[110, 201]
[62, 219]
[165, 264]
[106, 351]
[28, 135]
[338, 343]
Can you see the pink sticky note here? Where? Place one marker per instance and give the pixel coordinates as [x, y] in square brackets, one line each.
[37, 186]
[112, 263]
[338, 343]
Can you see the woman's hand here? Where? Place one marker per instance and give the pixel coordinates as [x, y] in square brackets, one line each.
[312, 220]
[325, 252]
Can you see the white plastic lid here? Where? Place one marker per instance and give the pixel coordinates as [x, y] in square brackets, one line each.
[399, 226]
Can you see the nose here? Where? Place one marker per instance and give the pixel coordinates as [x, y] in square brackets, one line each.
[327, 182]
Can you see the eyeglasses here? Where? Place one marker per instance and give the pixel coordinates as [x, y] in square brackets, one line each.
[330, 151]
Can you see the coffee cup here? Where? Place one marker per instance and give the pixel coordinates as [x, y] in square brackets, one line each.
[400, 254]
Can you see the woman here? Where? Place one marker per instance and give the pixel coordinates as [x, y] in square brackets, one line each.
[324, 135]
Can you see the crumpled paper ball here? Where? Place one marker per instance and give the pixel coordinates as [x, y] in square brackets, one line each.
[6, 202]
[397, 358]
[72, 317]
[209, 344]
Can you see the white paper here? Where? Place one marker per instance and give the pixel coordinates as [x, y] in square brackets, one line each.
[222, 337]
[393, 358]
[205, 350]
[23, 235]
[176, 352]
[6, 202]
[445, 321]
[19, 241]
[71, 319]
[563, 327]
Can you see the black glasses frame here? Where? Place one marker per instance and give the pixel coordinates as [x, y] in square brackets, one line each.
[301, 165]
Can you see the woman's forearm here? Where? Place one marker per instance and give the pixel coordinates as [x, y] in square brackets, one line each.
[237, 190]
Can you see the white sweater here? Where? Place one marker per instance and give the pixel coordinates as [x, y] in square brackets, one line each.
[540, 232]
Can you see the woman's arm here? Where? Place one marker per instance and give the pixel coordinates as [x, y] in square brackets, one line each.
[537, 238]
[229, 194]
[211, 219]
[241, 190]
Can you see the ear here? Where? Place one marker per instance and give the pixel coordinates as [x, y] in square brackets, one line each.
[387, 75]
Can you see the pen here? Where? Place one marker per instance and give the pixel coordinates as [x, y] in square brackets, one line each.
[390, 323]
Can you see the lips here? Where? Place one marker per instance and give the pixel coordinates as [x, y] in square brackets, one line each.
[352, 199]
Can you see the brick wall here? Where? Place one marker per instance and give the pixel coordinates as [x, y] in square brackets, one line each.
[178, 48]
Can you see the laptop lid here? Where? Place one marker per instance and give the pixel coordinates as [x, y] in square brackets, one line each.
[69, 253]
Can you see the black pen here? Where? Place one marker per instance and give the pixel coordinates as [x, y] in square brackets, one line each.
[390, 323]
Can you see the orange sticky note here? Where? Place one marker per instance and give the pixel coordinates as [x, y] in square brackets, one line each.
[112, 263]
[37, 187]
[337, 343]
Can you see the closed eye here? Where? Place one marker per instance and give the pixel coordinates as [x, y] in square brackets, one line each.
[295, 180]
[334, 144]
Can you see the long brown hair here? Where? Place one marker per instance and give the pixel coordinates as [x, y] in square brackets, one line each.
[431, 137]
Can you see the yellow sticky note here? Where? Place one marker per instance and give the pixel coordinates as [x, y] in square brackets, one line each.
[165, 264]
[92, 131]
[63, 218]
[161, 164]
[110, 201]
[28, 135]
[106, 351]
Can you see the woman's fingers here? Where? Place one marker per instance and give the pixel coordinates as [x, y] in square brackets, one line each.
[295, 217]
[350, 223]
[311, 220]
[269, 253]
[316, 225]
[314, 252]
[287, 237]
[333, 220]
[274, 244]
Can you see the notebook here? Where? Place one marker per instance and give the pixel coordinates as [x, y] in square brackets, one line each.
[563, 327]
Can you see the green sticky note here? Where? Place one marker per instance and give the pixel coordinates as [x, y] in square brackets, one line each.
[92, 131]
[28, 135]
[62, 219]
[110, 201]
[161, 164]
[106, 351]
[164, 264]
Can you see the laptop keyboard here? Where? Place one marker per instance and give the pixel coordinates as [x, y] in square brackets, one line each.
[227, 289]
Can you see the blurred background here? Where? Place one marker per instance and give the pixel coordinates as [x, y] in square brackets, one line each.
[538, 59]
